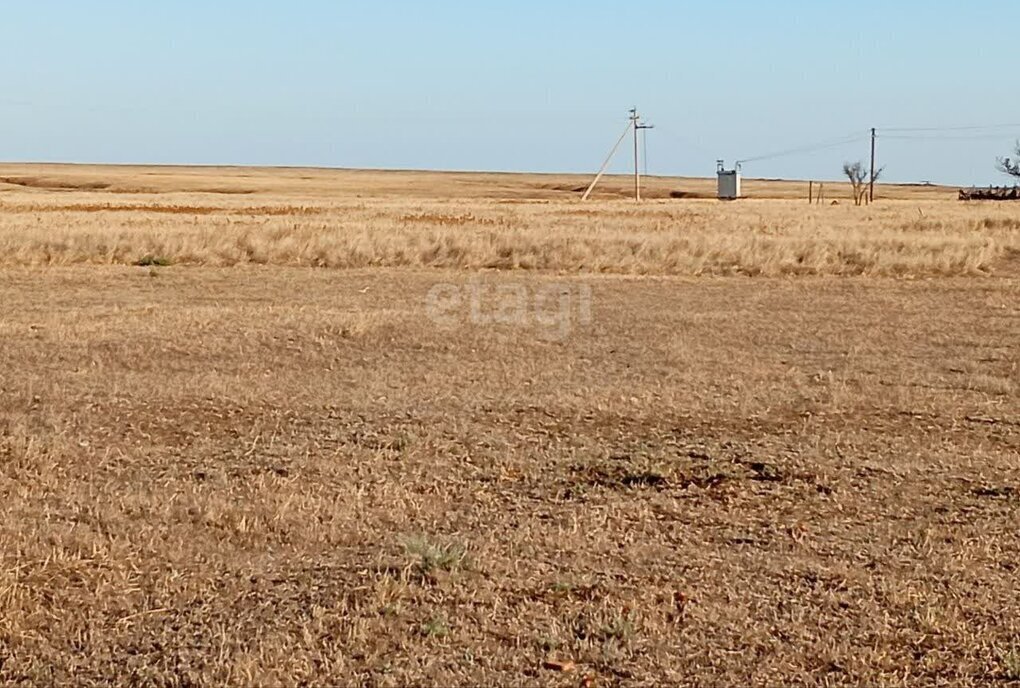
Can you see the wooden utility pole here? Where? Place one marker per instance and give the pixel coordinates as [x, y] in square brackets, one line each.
[871, 186]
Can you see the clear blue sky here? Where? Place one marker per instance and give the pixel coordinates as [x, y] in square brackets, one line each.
[524, 85]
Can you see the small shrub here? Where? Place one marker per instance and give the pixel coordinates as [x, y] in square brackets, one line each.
[436, 627]
[1010, 661]
[434, 557]
[149, 260]
[620, 628]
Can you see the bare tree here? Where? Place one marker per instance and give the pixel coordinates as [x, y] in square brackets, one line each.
[1011, 166]
[860, 178]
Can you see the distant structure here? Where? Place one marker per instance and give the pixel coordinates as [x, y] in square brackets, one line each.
[729, 181]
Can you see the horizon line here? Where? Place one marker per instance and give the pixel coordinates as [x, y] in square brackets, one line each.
[423, 170]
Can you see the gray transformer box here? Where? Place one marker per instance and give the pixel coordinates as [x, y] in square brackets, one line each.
[729, 182]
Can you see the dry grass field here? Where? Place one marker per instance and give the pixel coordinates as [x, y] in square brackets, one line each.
[57, 215]
[265, 427]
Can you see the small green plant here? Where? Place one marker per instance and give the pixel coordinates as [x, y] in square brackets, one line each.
[1010, 661]
[619, 628]
[436, 627]
[149, 260]
[434, 557]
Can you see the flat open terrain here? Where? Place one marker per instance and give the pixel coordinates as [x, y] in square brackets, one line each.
[263, 427]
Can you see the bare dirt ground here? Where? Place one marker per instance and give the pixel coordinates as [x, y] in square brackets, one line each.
[264, 474]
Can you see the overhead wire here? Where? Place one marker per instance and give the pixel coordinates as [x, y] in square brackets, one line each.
[981, 127]
[644, 153]
[926, 137]
[823, 145]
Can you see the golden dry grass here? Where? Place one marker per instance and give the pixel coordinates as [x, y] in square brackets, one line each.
[268, 474]
[297, 183]
[330, 221]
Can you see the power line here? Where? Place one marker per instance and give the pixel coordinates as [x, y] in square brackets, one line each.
[924, 134]
[852, 138]
[964, 128]
[644, 153]
[927, 137]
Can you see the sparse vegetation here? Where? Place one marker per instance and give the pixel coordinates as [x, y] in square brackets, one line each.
[435, 627]
[214, 477]
[153, 261]
[431, 557]
[1010, 661]
[860, 180]
[620, 627]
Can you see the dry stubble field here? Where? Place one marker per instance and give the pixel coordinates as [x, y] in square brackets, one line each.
[237, 446]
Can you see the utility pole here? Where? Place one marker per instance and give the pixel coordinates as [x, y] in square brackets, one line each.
[871, 189]
[638, 126]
